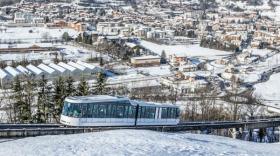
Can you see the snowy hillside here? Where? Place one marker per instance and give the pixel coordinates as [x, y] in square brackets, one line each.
[269, 90]
[133, 142]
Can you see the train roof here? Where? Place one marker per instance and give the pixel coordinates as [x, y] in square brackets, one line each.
[105, 98]
[143, 103]
[94, 98]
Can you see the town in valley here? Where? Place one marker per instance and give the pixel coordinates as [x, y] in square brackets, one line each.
[212, 62]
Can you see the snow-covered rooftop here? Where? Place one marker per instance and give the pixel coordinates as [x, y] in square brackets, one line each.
[12, 71]
[46, 68]
[87, 65]
[146, 57]
[78, 66]
[57, 67]
[3, 74]
[22, 69]
[34, 69]
[66, 66]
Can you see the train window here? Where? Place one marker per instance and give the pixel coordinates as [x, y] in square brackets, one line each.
[109, 113]
[173, 113]
[164, 113]
[113, 111]
[89, 110]
[139, 112]
[126, 110]
[131, 112]
[84, 110]
[169, 113]
[67, 109]
[177, 112]
[152, 112]
[143, 110]
[76, 110]
[102, 111]
[120, 111]
[147, 112]
[95, 110]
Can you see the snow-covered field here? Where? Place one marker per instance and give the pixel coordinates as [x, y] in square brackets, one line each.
[273, 14]
[70, 52]
[34, 34]
[187, 50]
[134, 142]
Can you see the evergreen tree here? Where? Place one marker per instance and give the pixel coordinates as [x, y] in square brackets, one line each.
[79, 38]
[101, 62]
[18, 100]
[65, 36]
[83, 88]
[50, 105]
[101, 83]
[137, 51]
[28, 90]
[69, 88]
[163, 57]
[44, 99]
[58, 97]
[90, 40]
[22, 96]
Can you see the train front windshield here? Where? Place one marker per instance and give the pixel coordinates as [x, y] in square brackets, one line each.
[72, 110]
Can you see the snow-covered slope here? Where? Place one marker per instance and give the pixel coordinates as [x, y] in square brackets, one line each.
[269, 90]
[135, 142]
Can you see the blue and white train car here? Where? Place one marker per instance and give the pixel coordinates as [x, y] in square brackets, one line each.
[103, 110]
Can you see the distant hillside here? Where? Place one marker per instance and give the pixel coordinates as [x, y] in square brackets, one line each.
[8, 2]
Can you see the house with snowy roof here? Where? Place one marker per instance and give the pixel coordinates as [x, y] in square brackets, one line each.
[148, 60]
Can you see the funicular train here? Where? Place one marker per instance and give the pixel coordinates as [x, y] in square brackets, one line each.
[104, 110]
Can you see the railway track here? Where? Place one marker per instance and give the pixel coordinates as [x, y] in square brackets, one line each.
[206, 123]
[25, 126]
[30, 130]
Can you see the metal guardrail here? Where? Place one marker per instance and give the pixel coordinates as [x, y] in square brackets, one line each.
[21, 126]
